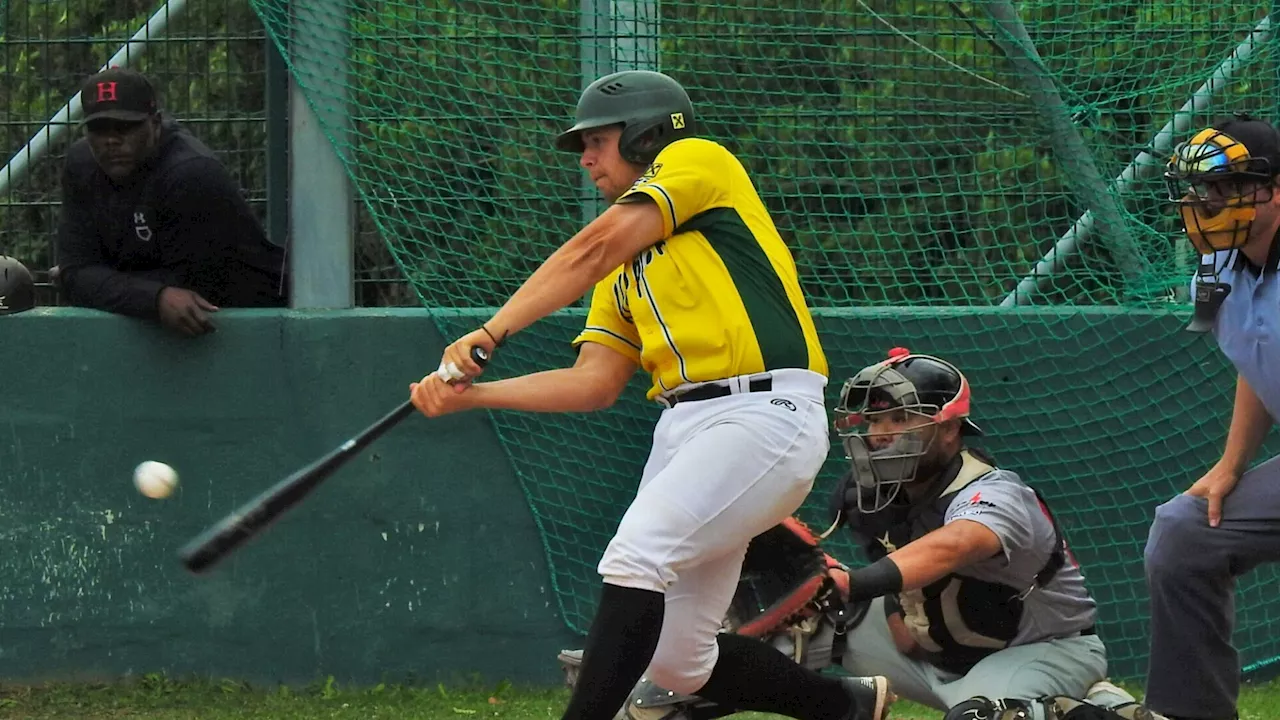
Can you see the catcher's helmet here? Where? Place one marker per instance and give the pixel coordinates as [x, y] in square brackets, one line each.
[921, 385]
[653, 110]
[1219, 177]
[17, 289]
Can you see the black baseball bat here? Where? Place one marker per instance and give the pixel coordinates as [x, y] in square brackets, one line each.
[250, 519]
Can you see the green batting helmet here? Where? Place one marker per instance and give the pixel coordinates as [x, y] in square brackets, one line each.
[653, 110]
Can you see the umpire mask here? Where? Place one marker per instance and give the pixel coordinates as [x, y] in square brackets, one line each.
[1217, 185]
[887, 420]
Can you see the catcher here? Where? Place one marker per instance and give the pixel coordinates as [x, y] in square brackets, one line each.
[973, 604]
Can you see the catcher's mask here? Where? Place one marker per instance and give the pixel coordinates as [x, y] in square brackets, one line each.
[928, 390]
[1218, 184]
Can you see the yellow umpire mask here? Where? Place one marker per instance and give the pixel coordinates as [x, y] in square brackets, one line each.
[1217, 186]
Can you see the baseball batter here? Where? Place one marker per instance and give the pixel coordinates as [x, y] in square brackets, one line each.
[693, 283]
[1224, 182]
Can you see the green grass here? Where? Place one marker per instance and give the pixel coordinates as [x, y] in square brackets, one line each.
[155, 697]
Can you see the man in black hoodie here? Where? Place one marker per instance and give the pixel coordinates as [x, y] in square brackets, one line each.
[153, 226]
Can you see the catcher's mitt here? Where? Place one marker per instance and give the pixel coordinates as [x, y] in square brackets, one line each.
[786, 579]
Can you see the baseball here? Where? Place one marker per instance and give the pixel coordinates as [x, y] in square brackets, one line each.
[155, 479]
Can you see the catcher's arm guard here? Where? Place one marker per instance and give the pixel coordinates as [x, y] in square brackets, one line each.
[786, 579]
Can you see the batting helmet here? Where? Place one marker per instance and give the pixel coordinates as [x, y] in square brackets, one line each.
[653, 110]
[17, 288]
[1219, 177]
[922, 385]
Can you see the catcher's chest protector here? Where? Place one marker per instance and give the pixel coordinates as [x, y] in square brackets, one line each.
[957, 620]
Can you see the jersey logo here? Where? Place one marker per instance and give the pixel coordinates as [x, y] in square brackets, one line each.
[783, 402]
[650, 173]
[140, 227]
[620, 298]
[633, 274]
[973, 506]
[677, 121]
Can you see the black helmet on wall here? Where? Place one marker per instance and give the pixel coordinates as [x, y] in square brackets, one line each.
[17, 288]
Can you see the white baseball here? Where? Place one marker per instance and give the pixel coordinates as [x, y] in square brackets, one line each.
[155, 479]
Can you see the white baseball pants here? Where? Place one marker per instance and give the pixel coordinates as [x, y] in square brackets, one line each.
[720, 472]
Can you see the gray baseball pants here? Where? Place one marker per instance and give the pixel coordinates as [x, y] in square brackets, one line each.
[1194, 670]
[1067, 666]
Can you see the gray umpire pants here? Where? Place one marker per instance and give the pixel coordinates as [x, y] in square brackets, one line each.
[1194, 670]
[1067, 666]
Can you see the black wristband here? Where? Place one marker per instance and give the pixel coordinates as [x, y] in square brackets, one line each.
[881, 577]
[891, 604]
[496, 341]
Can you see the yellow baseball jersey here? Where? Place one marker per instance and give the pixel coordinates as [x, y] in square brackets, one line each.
[719, 296]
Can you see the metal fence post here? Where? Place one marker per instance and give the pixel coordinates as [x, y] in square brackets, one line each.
[1147, 162]
[321, 195]
[1068, 147]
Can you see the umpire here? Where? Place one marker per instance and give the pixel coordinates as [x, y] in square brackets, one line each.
[153, 226]
[1224, 183]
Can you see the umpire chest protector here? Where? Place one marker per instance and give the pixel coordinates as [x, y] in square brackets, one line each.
[957, 620]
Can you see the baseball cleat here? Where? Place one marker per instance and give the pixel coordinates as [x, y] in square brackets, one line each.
[871, 697]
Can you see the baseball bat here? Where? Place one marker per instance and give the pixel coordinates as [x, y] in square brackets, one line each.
[251, 518]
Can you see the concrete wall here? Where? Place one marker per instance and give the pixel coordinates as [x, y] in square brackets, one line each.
[420, 559]
[468, 545]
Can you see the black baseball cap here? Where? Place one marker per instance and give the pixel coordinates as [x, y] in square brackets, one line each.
[118, 94]
[1259, 137]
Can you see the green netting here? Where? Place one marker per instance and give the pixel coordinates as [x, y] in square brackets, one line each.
[917, 154]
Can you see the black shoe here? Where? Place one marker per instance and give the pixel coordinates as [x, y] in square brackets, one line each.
[984, 708]
[871, 697]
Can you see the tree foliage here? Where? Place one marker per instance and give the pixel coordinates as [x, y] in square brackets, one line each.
[894, 141]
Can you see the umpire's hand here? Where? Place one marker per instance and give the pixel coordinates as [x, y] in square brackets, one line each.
[185, 311]
[1215, 485]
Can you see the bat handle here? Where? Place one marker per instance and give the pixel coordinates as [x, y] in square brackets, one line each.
[451, 372]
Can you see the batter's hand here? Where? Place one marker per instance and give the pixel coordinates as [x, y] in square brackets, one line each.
[1215, 485]
[457, 360]
[434, 397]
